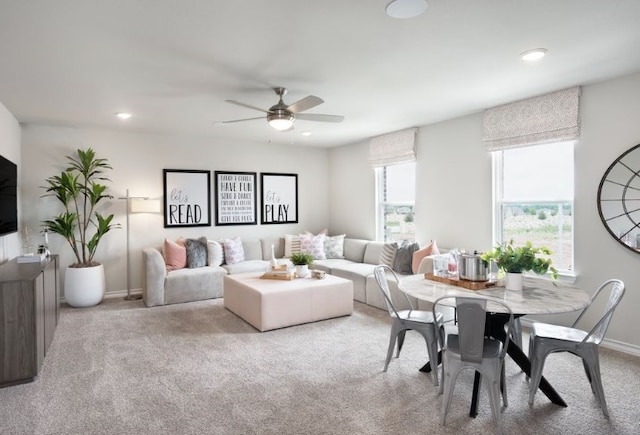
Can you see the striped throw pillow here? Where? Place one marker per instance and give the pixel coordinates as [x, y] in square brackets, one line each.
[388, 253]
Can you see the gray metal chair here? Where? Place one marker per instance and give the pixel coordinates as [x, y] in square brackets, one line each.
[404, 320]
[470, 349]
[546, 338]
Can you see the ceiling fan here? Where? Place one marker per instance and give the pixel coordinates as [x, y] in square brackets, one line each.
[282, 116]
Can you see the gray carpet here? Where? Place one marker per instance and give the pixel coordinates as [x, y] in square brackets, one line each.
[121, 368]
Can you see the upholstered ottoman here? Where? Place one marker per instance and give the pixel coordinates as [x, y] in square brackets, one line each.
[270, 304]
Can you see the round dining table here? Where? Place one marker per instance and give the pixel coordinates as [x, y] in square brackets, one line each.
[539, 296]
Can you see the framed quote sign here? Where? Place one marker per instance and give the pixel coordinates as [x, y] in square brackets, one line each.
[187, 198]
[236, 202]
[279, 198]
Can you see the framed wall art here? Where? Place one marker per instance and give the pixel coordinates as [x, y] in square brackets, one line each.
[236, 198]
[279, 198]
[187, 198]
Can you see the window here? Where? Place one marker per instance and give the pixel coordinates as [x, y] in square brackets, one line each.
[396, 201]
[533, 198]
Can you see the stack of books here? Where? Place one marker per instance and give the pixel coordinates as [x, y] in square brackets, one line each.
[285, 274]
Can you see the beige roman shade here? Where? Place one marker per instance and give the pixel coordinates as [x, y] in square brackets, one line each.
[393, 148]
[547, 118]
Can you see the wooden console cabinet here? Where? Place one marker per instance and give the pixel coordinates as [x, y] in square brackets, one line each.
[29, 312]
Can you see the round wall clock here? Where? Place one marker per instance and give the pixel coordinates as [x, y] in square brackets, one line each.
[619, 199]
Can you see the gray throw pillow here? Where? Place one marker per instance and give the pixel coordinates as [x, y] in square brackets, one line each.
[196, 252]
[404, 258]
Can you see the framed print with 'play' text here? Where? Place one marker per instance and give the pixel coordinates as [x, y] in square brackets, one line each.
[279, 198]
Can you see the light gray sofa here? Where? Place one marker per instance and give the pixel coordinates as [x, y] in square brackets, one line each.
[186, 285]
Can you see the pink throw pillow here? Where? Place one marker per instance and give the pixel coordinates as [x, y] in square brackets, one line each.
[175, 255]
[233, 250]
[430, 249]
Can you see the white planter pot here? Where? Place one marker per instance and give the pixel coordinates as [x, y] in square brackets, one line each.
[84, 286]
[302, 271]
[513, 281]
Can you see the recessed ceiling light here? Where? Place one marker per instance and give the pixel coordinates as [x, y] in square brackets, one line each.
[406, 8]
[534, 54]
[306, 133]
[123, 115]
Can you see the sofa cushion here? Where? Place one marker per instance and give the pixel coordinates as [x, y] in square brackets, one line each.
[252, 249]
[328, 264]
[334, 246]
[215, 253]
[186, 285]
[402, 262]
[354, 249]
[233, 250]
[313, 245]
[196, 252]
[175, 255]
[430, 249]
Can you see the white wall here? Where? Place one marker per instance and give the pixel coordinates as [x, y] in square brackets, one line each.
[453, 199]
[10, 150]
[138, 161]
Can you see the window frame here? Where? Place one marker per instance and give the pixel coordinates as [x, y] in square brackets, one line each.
[499, 203]
[381, 203]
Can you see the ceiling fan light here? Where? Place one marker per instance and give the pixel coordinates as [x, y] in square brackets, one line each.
[280, 120]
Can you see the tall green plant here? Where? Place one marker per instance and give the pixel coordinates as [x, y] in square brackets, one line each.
[80, 191]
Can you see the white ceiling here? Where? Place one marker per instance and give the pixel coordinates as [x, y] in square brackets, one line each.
[174, 63]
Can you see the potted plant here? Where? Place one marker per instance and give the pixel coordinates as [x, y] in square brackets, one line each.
[301, 260]
[80, 190]
[514, 260]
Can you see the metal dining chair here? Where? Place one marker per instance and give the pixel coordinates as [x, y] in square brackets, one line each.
[546, 338]
[470, 349]
[405, 320]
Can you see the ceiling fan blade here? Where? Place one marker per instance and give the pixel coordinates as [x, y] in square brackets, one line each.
[236, 120]
[305, 104]
[319, 117]
[248, 106]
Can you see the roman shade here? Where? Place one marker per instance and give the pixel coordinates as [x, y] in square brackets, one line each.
[393, 148]
[547, 118]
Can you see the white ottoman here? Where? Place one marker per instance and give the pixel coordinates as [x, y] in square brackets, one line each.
[270, 304]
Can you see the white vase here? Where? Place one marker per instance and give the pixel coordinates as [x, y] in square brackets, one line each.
[302, 271]
[513, 281]
[84, 286]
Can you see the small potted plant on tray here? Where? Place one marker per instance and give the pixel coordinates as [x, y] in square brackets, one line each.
[301, 260]
[514, 260]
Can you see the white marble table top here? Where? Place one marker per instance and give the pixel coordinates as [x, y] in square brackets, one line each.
[539, 296]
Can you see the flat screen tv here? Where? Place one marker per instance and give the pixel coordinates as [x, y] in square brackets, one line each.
[8, 197]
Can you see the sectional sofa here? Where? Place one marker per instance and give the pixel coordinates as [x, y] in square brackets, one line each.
[186, 285]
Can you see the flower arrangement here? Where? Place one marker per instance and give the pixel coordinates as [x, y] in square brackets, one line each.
[518, 259]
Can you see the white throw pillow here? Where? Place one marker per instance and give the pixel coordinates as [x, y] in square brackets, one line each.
[313, 245]
[233, 250]
[215, 254]
[334, 246]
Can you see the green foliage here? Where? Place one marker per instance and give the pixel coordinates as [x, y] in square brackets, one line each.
[79, 190]
[301, 258]
[518, 259]
[542, 215]
[408, 217]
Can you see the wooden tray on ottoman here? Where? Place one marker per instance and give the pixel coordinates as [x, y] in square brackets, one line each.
[469, 285]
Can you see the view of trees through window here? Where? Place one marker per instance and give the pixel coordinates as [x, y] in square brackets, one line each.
[549, 224]
[397, 201]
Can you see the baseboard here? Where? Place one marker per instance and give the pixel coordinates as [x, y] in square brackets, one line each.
[116, 294]
[620, 346]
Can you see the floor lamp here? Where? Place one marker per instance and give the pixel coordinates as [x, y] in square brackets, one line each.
[136, 202]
